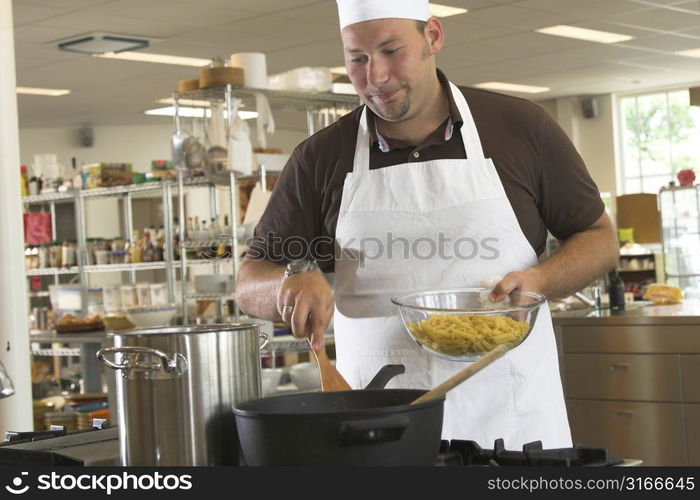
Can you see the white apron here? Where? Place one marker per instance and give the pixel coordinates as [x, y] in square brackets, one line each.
[429, 206]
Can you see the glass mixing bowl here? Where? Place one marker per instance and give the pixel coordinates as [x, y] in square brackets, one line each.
[463, 324]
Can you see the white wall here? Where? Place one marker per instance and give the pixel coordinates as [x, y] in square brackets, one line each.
[135, 144]
[594, 138]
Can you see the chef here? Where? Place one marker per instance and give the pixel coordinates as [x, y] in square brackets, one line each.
[428, 185]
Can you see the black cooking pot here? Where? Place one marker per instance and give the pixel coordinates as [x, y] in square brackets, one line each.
[367, 427]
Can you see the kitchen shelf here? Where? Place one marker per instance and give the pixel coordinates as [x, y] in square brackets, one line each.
[50, 336]
[49, 271]
[279, 99]
[68, 351]
[49, 197]
[289, 343]
[139, 266]
[208, 296]
[203, 262]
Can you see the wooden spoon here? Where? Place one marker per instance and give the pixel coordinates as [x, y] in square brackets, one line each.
[331, 379]
[463, 375]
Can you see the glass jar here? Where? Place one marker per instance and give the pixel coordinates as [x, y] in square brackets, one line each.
[55, 255]
[43, 255]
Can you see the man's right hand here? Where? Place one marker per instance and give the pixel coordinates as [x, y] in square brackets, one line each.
[305, 302]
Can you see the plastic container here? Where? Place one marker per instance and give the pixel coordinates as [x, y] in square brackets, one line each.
[111, 298]
[128, 295]
[159, 294]
[143, 294]
[101, 257]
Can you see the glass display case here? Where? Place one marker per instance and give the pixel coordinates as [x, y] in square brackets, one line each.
[680, 226]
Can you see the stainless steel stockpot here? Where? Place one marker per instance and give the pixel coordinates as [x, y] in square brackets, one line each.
[177, 390]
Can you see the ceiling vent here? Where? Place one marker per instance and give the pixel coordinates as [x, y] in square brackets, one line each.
[101, 43]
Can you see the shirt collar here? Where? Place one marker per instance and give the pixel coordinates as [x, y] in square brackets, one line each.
[455, 118]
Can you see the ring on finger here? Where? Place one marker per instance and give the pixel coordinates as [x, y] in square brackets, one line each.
[287, 310]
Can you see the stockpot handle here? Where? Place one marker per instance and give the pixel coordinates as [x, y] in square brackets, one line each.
[264, 340]
[170, 365]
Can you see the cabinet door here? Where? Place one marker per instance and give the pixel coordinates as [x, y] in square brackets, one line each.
[632, 339]
[692, 423]
[653, 432]
[690, 366]
[626, 377]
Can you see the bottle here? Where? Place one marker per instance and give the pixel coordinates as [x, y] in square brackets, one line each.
[190, 228]
[158, 245]
[176, 238]
[136, 247]
[616, 291]
[24, 180]
[147, 252]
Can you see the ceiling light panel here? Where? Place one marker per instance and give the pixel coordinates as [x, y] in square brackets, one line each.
[40, 91]
[512, 87]
[438, 10]
[195, 112]
[156, 58]
[584, 34]
[689, 53]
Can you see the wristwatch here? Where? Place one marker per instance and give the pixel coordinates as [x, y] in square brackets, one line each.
[300, 266]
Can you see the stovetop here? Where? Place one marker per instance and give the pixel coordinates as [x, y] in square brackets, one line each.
[100, 447]
[469, 453]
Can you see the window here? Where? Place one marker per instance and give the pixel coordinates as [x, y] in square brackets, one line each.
[661, 135]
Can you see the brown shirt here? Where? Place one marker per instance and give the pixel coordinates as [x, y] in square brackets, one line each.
[544, 177]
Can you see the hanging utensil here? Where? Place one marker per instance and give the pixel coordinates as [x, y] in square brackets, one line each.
[463, 375]
[331, 379]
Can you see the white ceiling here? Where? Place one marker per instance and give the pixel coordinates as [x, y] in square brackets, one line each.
[494, 41]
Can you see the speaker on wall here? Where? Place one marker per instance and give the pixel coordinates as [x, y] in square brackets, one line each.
[589, 107]
[87, 137]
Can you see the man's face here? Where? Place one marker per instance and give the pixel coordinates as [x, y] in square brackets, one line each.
[390, 65]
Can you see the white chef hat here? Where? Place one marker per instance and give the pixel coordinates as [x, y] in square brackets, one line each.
[356, 11]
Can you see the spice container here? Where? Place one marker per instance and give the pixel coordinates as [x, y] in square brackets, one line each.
[111, 298]
[101, 257]
[128, 295]
[68, 254]
[159, 294]
[43, 255]
[143, 292]
[55, 255]
[117, 257]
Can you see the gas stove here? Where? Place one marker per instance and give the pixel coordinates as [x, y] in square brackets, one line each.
[99, 446]
[469, 453]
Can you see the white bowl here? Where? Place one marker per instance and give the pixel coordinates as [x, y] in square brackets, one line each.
[306, 376]
[150, 316]
[270, 380]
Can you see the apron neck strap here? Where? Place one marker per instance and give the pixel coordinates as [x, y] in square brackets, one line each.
[468, 132]
[470, 136]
